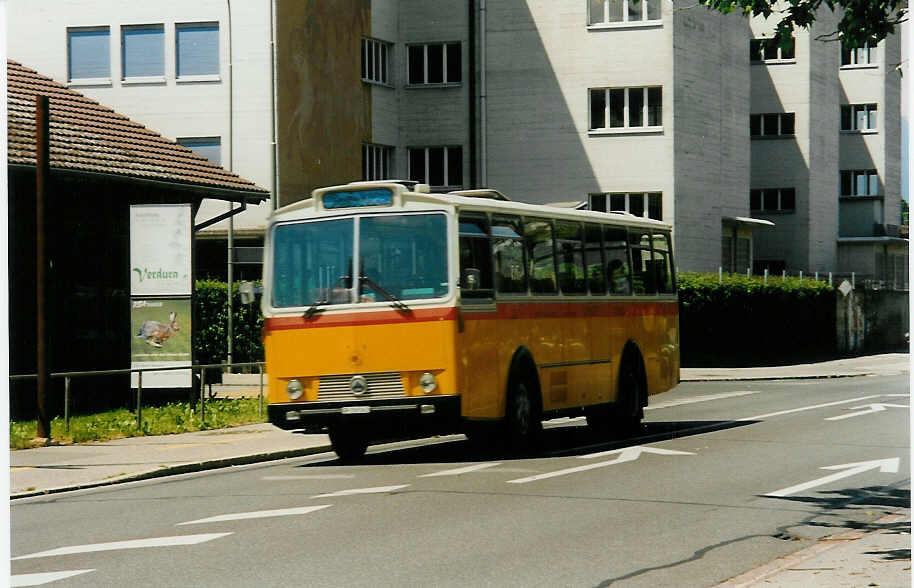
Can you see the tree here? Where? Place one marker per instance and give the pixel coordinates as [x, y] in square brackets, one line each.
[863, 21]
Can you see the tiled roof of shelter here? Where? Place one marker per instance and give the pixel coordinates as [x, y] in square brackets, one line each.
[88, 137]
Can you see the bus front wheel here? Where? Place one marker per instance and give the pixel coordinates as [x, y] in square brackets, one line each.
[523, 420]
[348, 444]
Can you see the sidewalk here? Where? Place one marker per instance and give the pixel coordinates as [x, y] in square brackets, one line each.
[846, 560]
[46, 470]
[871, 365]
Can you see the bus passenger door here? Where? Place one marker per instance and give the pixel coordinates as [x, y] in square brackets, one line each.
[476, 349]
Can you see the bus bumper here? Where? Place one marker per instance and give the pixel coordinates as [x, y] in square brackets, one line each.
[438, 413]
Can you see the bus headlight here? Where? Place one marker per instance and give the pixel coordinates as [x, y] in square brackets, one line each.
[294, 389]
[427, 383]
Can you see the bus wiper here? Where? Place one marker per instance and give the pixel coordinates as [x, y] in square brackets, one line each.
[394, 301]
[315, 308]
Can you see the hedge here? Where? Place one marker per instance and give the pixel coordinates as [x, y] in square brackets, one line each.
[745, 321]
[211, 325]
[738, 321]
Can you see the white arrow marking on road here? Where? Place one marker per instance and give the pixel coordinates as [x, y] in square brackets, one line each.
[458, 471]
[376, 490]
[869, 410]
[44, 577]
[888, 465]
[133, 544]
[260, 514]
[626, 454]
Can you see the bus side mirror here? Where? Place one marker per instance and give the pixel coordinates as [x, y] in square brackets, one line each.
[471, 278]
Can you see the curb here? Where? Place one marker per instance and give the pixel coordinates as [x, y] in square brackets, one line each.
[186, 468]
[754, 576]
[771, 378]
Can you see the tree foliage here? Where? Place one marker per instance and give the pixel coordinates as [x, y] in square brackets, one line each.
[862, 21]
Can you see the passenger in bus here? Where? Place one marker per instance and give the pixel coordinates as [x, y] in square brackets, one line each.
[618, 277]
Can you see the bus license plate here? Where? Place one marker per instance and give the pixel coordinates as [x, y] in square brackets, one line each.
[356, 409]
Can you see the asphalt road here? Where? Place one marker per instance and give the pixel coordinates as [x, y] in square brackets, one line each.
[726, 476]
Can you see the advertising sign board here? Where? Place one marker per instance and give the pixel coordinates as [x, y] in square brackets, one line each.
[160, 293]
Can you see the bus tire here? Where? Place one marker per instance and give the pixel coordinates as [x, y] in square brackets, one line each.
[523, 417]
[348, 444]
[629, 409]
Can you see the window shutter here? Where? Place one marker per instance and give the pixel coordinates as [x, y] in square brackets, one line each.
[198, 49]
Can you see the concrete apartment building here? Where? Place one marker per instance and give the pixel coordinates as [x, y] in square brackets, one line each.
[826, 155]
[674, 114]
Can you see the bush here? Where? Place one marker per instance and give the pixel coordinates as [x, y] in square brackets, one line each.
[744, 321]
[211, 325]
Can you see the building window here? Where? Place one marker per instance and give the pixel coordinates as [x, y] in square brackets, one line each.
[643, 204]
[376, 61]
[858, 117]
[434, 63]
[772, 125]
[859, 182]
[143, 51]
[865, 55]
[626, 108]
[89, 54]
[773, 200]
[208, 147]
[769, 51]
[616, 11]
[376, 162]
[438, 167]
[197, 49]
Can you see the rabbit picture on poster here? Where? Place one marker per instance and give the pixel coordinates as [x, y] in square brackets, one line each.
[156, 333]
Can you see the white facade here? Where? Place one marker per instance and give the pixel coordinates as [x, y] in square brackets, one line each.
[177, 108]
[522, 114]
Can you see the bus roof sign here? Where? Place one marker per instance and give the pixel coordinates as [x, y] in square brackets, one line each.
[356, 198]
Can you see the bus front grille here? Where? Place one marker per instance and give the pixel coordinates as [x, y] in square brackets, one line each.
[380, 385]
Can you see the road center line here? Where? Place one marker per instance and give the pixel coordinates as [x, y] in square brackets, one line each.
[375, 490]
[44, 577]
[703, 398]
[259, 514]
[458, 471]
[314, 477]
[132, 544]
[802, 408]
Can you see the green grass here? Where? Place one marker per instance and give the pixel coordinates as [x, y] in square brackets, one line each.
[159, 420]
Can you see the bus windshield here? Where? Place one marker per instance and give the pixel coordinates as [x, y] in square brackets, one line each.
[401, 257]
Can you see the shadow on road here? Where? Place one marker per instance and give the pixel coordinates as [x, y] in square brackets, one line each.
[558, 440]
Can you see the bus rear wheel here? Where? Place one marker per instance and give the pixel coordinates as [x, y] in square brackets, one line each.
[349, 445]
[628, 412]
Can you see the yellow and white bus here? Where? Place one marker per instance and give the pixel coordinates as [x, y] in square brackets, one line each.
[389, 310]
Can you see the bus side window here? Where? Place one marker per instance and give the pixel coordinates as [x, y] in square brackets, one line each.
[475, 258]
[615, 252]
[540, 256]
[508, 253]
[570, 255]
[593, 259]
[644, 279]
[663, 264]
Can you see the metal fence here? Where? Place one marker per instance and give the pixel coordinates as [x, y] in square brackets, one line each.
[856, 280]
[68, 376]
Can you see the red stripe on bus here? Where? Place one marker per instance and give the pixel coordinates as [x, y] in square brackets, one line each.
[543, 310]
[504, 311]
[351, 319]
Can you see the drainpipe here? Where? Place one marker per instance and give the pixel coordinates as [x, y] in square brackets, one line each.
[471, 55]
[483, 175]
[231, 228]
[274, 153]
